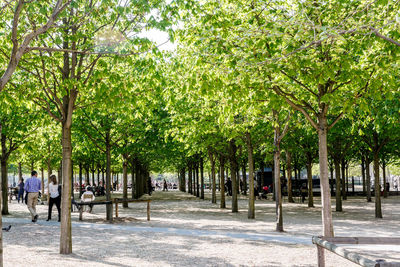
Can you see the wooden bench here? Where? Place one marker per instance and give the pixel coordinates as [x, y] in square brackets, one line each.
[121, 200]
[90, 204]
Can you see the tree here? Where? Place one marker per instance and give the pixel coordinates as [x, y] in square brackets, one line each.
[24, 15]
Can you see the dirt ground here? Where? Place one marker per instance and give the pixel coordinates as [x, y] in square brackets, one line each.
[185, 231]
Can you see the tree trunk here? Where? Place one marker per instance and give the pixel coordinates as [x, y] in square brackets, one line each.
[93, 175]
[66, 234]
[60, 174]
[323, 167]
[201, 178]
[219, 181]
[137, 178]
[125, 181]
[222, 182]
[385, 192]
[378, 207]
[343, 165]
[368, 177]
[109, 207]
[363, 173]
[20, 170]
[133, 167]
[213, 183]
[190, 178]
[331, 179]
[87, 177]
[338, 182]
[197, 180]
[1, 200]
[251, 210]
[289, 176]
[244, 177]
[310, 182]
[183, 177]
[233, 166]
[4, 182]
[277, 178]
[80, 179]
[347, 179]
[42, 173]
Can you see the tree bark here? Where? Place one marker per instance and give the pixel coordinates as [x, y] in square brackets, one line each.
[378, 207]
[197, 180]
[125, 181]
[323, 166]
[213, 183]
[310, 182]
[278, 192]
[363, 173]
[222, 182]
[244, 177]
[66, 231]
[109, 207]
[385, 192]
[1, 200]
[4, 182]
[343, 165]
[233, 167]
[42, 173]
[190, 178]
[183, 177]
[201, 178]
[137, 178]
[338, 188]
[251, 210]
[289, 176]
[80, 179]
[20, 170]
[368, 177]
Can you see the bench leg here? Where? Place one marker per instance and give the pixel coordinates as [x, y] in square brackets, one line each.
[321, 256]
[80, 213]
[116, 209]
[148, 211]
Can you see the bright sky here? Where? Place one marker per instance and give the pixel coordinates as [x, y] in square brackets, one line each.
[159, 38]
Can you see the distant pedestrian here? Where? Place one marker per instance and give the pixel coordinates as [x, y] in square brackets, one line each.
[21, 190]
[303, 192]
[32, 187]
[150, 185]
[55, 196]
[229, 186]
[165, 186]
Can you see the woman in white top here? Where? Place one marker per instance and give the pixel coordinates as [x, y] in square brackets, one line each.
[55, 197]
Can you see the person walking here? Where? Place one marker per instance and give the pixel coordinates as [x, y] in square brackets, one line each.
[55, 196]
[165, 186]
[21, 190]
[229, 186]
[32, 187]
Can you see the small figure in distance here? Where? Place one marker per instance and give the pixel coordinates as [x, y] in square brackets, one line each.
[21, 190]
[150, 185]
[33, 186]
[303, 192]
[54, 196]
[165, 186]
[229, 186]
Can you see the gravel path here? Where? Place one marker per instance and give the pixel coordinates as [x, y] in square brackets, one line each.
[184, 231]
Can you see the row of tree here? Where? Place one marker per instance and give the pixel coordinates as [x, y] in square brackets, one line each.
[317, 80]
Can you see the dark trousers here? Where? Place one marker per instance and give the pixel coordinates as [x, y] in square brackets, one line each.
[53, 201]
[21, 195]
